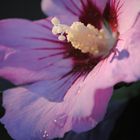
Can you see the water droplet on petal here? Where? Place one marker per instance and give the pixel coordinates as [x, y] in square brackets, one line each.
[61, 120]
[44, 134]
[55, 121]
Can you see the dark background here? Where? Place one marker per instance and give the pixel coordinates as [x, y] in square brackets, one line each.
[29, 9]
[128, 125]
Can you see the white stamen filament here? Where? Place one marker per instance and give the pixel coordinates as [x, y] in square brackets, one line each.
[88, 39]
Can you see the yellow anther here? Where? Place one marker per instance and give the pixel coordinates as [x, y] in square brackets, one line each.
[61, 37]
[88, 39]
[55, 21]
[54, 30]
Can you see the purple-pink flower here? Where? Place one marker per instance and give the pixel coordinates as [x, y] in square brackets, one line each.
[60, 88]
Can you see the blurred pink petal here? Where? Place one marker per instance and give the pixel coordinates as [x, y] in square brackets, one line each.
[33, 112]
[119, 14]
[127, 63]
[127, 16]
[29, 48]
[71, 8]
[124, 66]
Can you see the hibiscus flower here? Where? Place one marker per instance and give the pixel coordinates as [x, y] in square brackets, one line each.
[62, 85]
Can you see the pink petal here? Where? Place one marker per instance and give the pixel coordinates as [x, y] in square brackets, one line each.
[127, 11]
[127, 63]
[124, 64]
[71, 8]
[30, 52]
[30, 114]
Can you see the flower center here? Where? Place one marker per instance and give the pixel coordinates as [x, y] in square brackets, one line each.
[87, 39]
